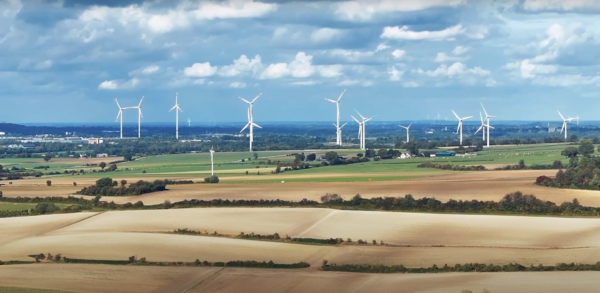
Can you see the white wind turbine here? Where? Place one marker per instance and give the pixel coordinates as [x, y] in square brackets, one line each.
[362, 129]
[212, 164]
[339, 132]
[189, 122]
[139, 107]
[487, 121]
[338, 128]
[460, 124]
[407, 131]
[177, 110]
[251, 123]
[120, 115]
[482, 127]
[564, 126]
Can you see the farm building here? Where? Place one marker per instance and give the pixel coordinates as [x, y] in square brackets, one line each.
[445, 154]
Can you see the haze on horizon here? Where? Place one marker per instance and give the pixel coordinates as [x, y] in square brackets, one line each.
[66, 61]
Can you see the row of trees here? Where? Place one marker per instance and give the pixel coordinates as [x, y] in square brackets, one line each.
[108, 187]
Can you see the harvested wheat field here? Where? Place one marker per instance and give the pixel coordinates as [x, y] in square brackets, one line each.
[415, 229]
[160, 247]
[109, 279]
[103, 278]
[12, 229]
[238, 280]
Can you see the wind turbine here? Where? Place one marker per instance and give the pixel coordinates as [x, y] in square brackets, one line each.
[339, 132]
[189, 122]
[139, 107]
[177, 110]
[487, 121]
[212, 164]
[407, 130]
[120, 115]
[337, 126]
[564, 126]
[460, 124]
[251, 123]
[362, 130]
[482, 127]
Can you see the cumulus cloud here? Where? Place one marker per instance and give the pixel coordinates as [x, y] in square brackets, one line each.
[397, 54]
[118, 84]
[459, 50]
[529, 70]
[200, 70]
[43, 65]
[150, 69]
[237, 84]
[306, 82]
[300, 67]
[458, 71]
[242, 65]
[365, 10]
[395, 75]
[403, 33]
[560, 5]
[324, 35]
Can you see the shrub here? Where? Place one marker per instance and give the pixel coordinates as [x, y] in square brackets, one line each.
[74, 183]
[212, 179]
[48, 183]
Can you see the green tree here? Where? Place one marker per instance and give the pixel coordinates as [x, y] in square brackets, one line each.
[48, 183]
[255, 155]
[586, 147]
[47, 157]
[570, 152]
[521, 164]
[331, 157]
[112, 167]
[412, 148]
[45, 208]
[104, 182]
[123, 182]
[102, 165]
[311, 157]
[128, 157]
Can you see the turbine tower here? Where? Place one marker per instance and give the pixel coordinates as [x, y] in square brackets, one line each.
[487, 121]
[177, 110]
[407, 130]
[189, 122]
[251, 123]
[360, 127]
[338, 128]
[460, 124]
[564, 126]
[212, 164]
[339, 132]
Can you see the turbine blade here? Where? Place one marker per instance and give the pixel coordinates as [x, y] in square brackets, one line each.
[173, 108]
[140, 105]
[256, 125]
[118, 103]
[489, 126]
[256, 98]
[455, 115]
[481, 117]
[479, 129]
[484, 111]
[140, 112]
[179, 108]
[338, 100]
[355, 119]
[361, 116]
[561, 116]
[458, 128]
[343, 125]
[410, 124]
[119, 115]
[403, 127]
[245, 100]
[244, 128]
[467, 118]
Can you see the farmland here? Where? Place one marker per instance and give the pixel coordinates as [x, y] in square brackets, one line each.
[411, 239]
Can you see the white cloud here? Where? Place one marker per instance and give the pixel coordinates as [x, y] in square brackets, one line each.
[118, 84]
[364, 10]
[233, 9]
[458, 71]
[300, 67]
[351, 55]
[241, 66]
[307, 82]
[564, 5]
[529, 70]
[324, 35]
[459, 50]
[443, 58]
[237, 84]
[348, 82]
[200, 70]
[402, 33]
[398, 53]
[410, 84]
[330, 71]
[43, 65]
[395, 75]
[275, 71]
[381, 47]
[150, 69]
[567, 80]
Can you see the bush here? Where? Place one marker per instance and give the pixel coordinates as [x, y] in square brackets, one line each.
[48, 183]
[107, 187]
[74, 183]
[212, 179]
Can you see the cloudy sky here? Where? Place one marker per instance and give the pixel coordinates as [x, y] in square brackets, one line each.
[67, 60]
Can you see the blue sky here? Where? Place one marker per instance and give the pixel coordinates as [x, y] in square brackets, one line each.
[66, 61]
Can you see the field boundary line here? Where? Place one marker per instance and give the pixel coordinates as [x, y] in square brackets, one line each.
[70, 224]
[212, 276]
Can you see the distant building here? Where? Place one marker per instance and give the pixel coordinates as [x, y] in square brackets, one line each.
[102, 156]
[95, 141]
[445, 154]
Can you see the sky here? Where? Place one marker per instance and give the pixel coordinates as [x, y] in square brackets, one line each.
[67, 61]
